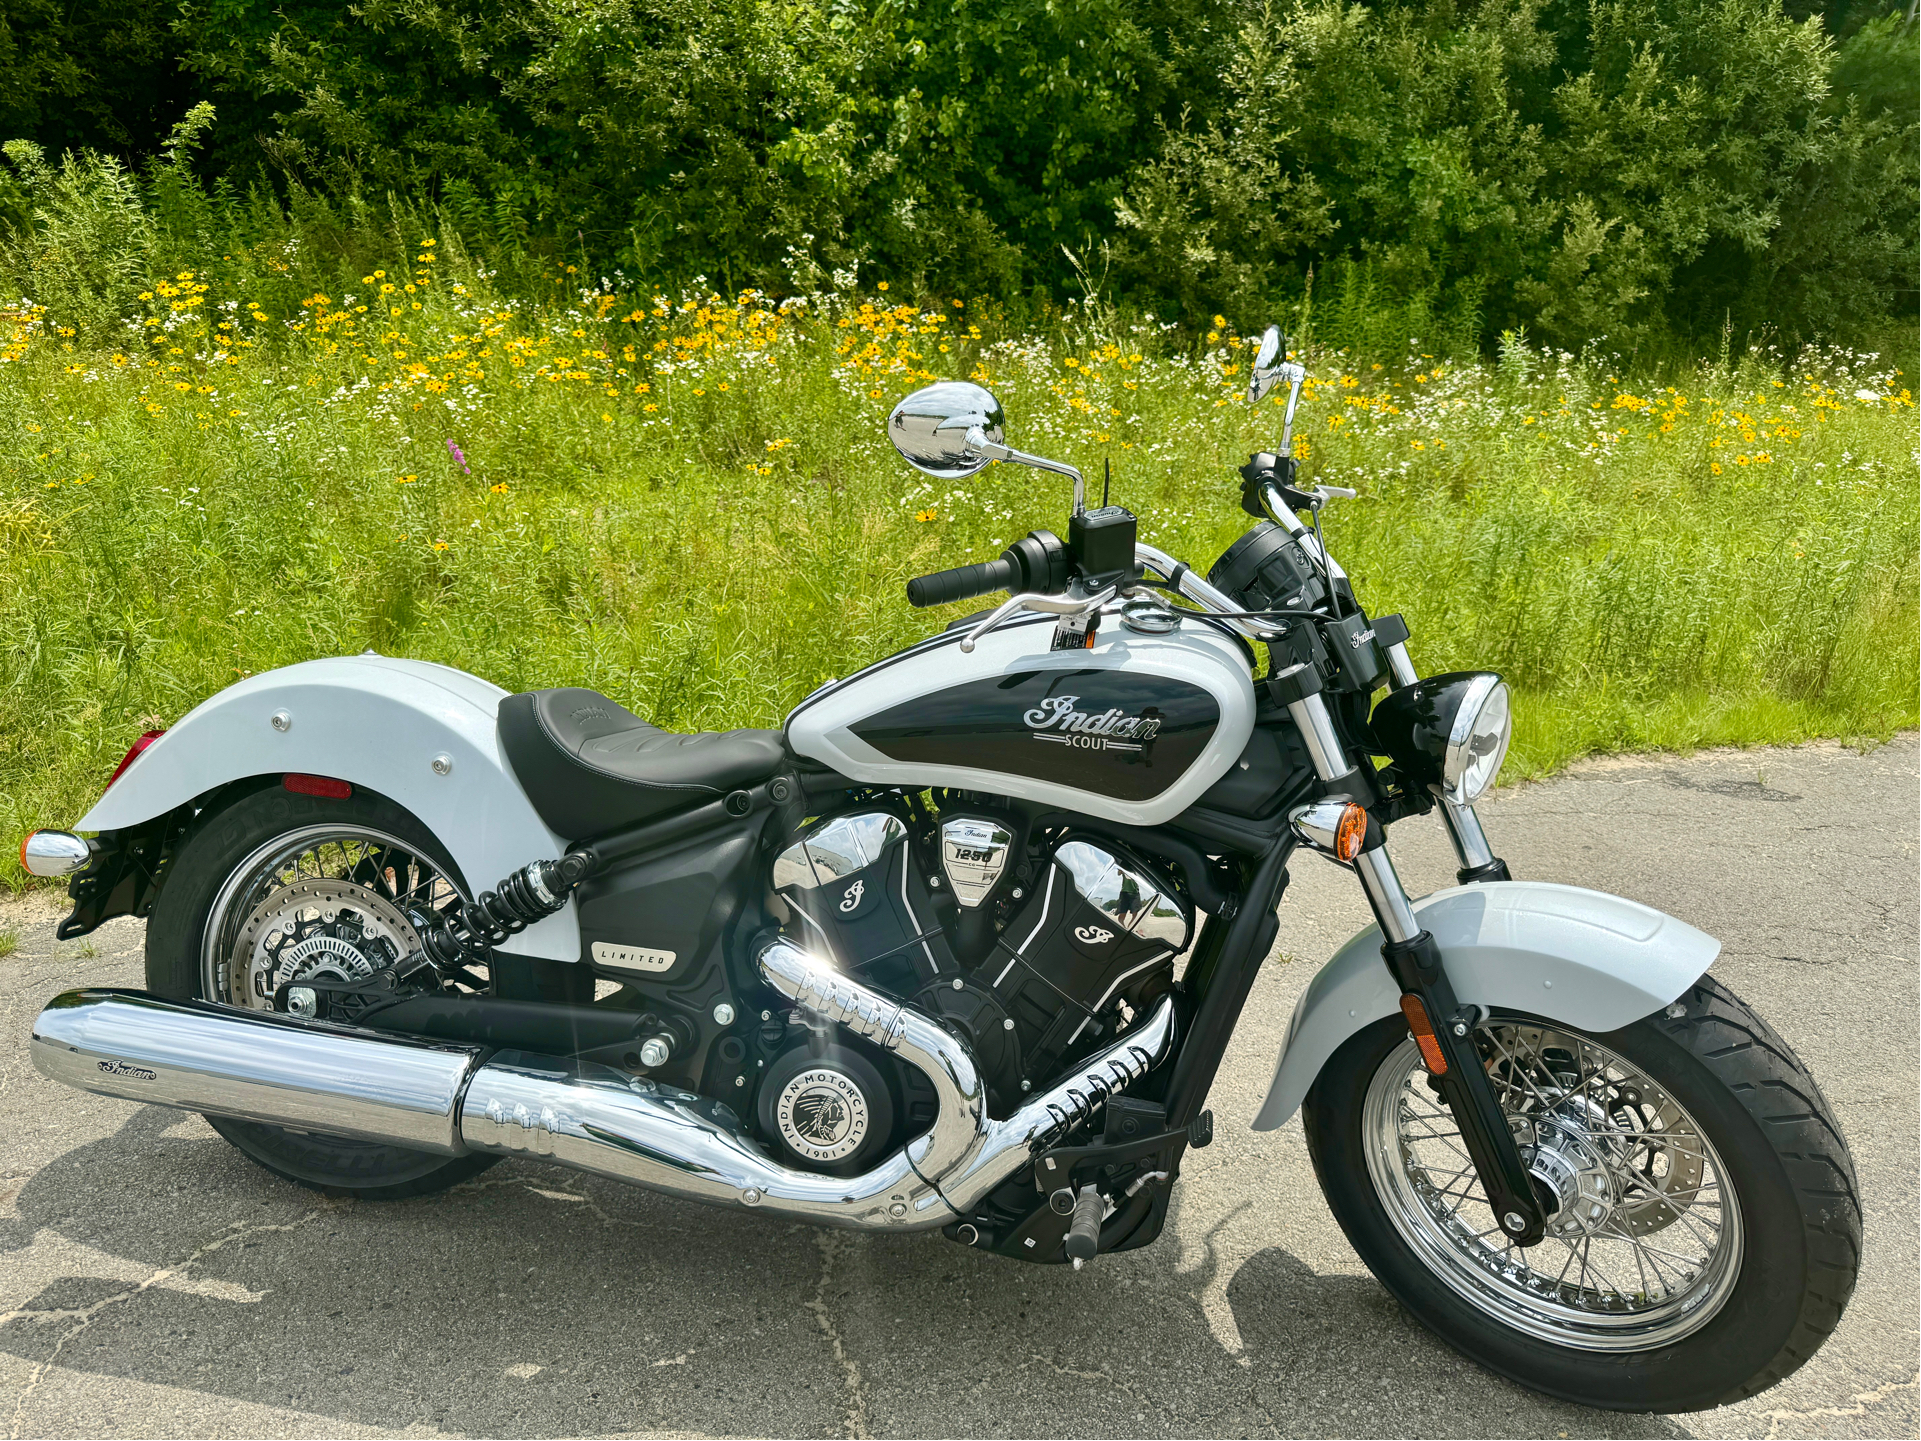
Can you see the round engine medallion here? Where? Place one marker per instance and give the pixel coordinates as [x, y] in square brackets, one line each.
[823, 1114]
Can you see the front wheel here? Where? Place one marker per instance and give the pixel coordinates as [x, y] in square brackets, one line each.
[1706, 1230]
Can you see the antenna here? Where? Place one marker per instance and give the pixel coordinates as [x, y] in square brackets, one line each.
[1107, 478]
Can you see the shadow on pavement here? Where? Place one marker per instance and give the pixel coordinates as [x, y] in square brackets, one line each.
[537, 1301]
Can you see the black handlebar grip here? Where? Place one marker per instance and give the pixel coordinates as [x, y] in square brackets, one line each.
[964, 582]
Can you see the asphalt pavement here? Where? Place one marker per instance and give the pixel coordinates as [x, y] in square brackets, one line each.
[154, 1282]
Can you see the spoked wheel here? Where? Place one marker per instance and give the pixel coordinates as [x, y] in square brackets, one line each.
[1645, 1243]
[326, 900]
[278, 887]
[1703, 1236]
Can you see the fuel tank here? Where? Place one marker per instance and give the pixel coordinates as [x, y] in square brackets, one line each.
[1132, 730]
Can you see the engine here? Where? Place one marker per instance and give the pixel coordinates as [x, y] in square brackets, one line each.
[1032, 947]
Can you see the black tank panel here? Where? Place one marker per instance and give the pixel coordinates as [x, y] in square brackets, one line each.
[1114, 733]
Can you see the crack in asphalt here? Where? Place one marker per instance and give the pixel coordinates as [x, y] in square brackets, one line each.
[1864, 1401]
[854, 1413]
[83, 1316]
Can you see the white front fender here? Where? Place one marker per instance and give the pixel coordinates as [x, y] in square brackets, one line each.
[379, 723]
[1581, 957]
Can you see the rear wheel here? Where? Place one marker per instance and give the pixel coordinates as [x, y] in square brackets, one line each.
[1705, 1233]
[274, 887]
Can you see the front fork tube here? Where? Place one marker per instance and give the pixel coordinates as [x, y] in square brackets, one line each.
[1444, 1030]
[1477, 858]
[1441, 1025]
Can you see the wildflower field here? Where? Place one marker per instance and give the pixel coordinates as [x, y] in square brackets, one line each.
[689, 502]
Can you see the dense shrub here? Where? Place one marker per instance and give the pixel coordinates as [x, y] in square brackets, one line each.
[1651, 170]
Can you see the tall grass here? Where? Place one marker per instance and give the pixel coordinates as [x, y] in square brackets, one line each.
[690, 503]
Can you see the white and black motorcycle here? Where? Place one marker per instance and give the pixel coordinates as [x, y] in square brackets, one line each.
[960, 947]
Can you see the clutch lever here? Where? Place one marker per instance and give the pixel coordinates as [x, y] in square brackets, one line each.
[1035, 600]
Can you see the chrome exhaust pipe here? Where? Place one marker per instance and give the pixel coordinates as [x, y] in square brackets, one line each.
[437, 1097]
[253, 1066]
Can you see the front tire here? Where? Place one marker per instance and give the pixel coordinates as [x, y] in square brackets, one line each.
[230, 863]
[1709, 1216]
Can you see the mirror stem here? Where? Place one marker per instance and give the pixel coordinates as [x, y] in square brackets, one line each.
[1294, 374]
[977, 440]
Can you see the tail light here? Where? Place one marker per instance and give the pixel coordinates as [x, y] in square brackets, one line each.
[134, 751]
[305, 785]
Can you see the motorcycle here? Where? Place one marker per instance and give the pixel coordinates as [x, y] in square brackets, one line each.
[961, 945]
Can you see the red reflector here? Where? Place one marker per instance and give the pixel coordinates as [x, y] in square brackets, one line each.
[326, 786]
[1424, 1036]
[133, 752]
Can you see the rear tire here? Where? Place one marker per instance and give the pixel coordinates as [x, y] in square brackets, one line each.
[221, 841]
[1771, 1145]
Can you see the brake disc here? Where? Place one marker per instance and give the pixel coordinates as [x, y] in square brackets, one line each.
[289, 936]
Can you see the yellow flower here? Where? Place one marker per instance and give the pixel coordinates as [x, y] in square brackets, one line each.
[606, 417]
[440, 545]
[883, 285]
[1220, 322]
[926, 515]
[1071, 363]
[500, 489]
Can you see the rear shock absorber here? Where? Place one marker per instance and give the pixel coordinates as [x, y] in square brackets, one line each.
[468, 934]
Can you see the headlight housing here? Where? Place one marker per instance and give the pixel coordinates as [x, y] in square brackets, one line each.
[1447, 733]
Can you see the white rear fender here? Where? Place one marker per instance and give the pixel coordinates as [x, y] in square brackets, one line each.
[376, 722]
[1581, 957]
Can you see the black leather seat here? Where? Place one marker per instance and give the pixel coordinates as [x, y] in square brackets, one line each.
[590, 765]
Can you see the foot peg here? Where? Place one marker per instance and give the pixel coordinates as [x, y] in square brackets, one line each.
[1084, 1235]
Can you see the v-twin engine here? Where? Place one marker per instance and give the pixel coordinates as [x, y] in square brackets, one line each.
[443, 1098]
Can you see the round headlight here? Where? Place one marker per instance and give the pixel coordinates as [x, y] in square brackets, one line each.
[1448, 733]
[1477, 741]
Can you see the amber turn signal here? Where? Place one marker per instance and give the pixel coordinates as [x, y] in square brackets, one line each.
[1351, 833]
[1423, 1030]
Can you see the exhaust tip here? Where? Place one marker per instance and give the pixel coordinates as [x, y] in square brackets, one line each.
[51, 854]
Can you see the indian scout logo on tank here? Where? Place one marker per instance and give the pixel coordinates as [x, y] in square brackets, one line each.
[1056, 720]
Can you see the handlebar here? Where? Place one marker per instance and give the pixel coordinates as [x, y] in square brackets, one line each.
[1036, 562]
[963, 582]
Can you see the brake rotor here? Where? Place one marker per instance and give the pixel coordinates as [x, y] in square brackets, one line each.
[296, 933]
[1665, 1166]
[1653, 1157]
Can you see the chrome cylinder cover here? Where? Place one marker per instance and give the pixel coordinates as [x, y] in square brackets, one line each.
[861, 897]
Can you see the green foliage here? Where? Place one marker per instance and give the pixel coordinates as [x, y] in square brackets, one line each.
[1655, 171]
[688, 503]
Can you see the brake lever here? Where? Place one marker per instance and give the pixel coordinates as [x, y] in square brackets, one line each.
[1035, 600]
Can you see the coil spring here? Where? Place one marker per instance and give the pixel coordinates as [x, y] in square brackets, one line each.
[467, 936]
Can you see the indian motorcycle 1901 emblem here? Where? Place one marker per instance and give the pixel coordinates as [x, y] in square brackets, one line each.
[1055, 719]
[822, 1114]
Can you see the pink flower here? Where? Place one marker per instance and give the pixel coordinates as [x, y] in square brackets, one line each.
[459, 459]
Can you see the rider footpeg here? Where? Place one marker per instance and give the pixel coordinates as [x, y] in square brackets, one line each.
[1083, 1241]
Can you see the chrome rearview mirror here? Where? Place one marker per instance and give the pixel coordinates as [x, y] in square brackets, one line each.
[934, 429]
[952, 429]
[1267, 364]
